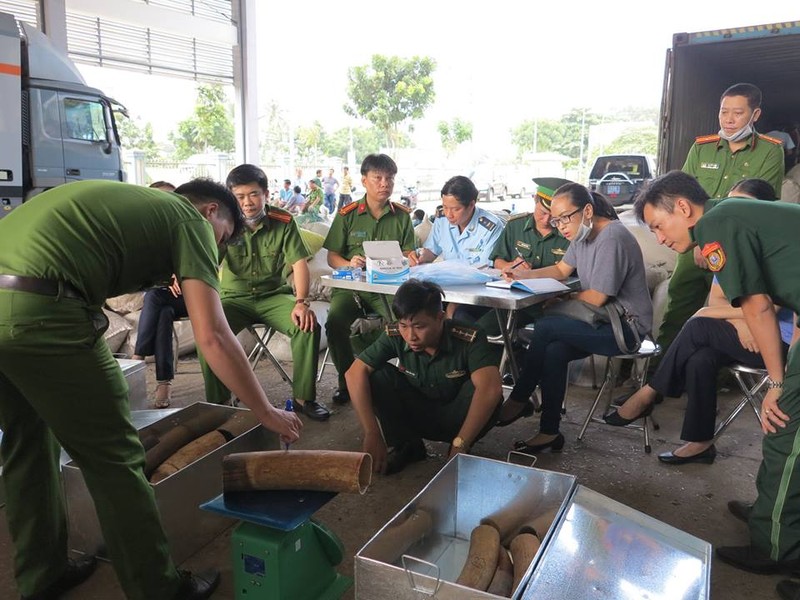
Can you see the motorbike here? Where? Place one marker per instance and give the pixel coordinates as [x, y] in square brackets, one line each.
[409, 196]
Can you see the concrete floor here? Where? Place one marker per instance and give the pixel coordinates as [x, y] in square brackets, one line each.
[610, 461]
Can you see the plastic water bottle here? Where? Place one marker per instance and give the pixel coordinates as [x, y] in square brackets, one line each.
[289, 407]
[513, 208]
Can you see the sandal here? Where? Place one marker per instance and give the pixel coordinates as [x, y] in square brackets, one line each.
[163, 402]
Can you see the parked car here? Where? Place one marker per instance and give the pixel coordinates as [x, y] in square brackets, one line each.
[620, 176]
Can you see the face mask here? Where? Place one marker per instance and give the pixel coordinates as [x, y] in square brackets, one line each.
[583, 231]
[252, 221]
[743, 133]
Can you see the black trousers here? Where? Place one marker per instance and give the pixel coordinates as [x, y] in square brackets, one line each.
[160, 309]
[702, 347]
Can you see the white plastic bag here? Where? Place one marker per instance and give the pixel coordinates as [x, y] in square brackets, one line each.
[450, 272]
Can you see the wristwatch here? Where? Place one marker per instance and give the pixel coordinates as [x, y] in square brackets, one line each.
[459, 442]
[302, 301]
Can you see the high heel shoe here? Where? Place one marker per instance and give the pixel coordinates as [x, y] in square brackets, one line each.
[614, 419]
[555, 445]
[525, 409]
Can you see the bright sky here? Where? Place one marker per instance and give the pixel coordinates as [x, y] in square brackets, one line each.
[498, 63]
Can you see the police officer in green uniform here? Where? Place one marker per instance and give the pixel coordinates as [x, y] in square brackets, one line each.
[373, 218]
[62, 254]
[254, 289]
[718, 162]
[445, 387]
[752, 248]
[528, 242]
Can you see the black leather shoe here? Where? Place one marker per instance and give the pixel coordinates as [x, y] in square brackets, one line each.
[523, 409]
[740, 510]
[341, 396]
[707, 456]
[404, 454]
[197, 586]
[313, 410]
[555, 445]
[747, 559]
[508, 379]
[614, 419]
[77, 572]
[788, 589]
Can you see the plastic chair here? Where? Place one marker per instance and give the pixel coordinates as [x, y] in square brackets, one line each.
[648, 350]
[751, 380]
[263, 334]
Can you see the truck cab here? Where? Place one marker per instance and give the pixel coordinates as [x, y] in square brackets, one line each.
[57, 129]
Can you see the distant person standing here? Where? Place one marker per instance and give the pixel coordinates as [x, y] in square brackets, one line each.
[286, 192]
[717, 162]
[300, 181]
[329, 185]
[346, 188]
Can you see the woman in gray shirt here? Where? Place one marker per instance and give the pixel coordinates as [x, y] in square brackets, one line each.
[610, 266]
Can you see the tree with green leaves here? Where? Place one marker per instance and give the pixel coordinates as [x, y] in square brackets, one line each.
[389, 91]
[210, 128]
[135, 136]
[274, 144]
[454, 133]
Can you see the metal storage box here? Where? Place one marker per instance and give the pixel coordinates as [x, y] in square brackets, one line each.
[136, 378]
[595, 549]
[178, 496]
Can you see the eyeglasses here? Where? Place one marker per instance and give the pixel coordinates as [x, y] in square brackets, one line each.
[563, 219]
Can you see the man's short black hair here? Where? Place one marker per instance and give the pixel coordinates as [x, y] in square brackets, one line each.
[416, 296]
[378, 162]
[748, 90]
[419, 214]
[203, 190]
[246, 174]
[662, 192]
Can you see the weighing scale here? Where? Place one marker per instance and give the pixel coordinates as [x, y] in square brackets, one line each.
[278, 552]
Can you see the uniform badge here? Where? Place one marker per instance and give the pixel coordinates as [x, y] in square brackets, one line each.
[455, 374]
[558, 251]
[714, 255]
[521, 244]
[713, 166]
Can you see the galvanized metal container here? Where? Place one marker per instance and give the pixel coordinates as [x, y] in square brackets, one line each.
[596, 548]
[178, 496]
[136, 378]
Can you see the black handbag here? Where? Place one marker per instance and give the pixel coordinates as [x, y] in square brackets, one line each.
[611, 312]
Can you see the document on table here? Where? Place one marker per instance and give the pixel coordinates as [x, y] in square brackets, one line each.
[542, 285]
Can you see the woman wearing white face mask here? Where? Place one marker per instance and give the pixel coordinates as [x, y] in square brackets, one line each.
[610, 266]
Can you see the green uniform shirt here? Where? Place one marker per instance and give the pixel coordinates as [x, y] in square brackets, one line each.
[752, 248]
[354, 225]
[314, 198]
[521, 238]
[462, 351]
[711, 162]
[108, 238]
[256, 264]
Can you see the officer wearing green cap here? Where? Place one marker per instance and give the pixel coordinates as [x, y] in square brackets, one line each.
[62, 254]
[372, 218]
[718, 162]
[528, 242]
[751, 247]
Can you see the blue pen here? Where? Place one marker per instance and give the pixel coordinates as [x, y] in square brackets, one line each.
[289, 408]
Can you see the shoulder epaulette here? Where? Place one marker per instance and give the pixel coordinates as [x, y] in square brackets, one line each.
[769, 139]
[348, 209]
[518, 216]
[486, 223]
[402, 207]
[392, 329]
[278, 214]
[706, 139]
[468, 334]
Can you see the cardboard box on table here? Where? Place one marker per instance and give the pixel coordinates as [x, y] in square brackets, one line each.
[386, 263]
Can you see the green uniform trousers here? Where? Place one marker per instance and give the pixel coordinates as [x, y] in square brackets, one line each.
[59, 384]
[687, 293]
[276, 312]
[406, 415]
[343, 311]
[775, 520]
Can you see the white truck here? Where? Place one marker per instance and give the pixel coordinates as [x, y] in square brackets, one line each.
[702, 65]
[54, 128]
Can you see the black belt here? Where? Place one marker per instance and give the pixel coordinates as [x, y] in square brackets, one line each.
[44, 287]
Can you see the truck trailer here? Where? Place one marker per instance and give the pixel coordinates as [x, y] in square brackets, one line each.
[54, 128]
[700, 66]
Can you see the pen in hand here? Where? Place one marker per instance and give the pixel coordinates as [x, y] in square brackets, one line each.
[288, 408]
